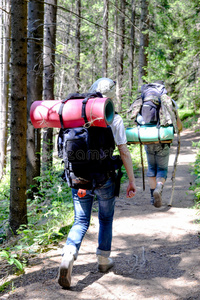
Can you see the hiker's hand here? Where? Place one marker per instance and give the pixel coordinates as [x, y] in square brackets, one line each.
[131, 190]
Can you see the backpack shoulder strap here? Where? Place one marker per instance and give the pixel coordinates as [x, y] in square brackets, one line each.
[158, 115]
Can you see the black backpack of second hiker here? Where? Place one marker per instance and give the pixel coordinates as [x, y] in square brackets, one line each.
[151, 103]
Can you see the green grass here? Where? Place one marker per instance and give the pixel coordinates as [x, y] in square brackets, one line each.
[186, 113]
[189, 117]
[4, 205]
[4, 286]
[196, 172]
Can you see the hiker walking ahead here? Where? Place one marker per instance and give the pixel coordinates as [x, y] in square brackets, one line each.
[106, 201]
[154, 106]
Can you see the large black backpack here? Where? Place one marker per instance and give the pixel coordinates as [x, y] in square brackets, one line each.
[88, 158]
[151, 103]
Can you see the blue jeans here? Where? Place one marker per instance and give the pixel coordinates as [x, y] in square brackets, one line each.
[82, 215]
[157, 158]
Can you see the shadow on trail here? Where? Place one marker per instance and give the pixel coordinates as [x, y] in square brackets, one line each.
[143, 262]
[47, 275]
[90, 277]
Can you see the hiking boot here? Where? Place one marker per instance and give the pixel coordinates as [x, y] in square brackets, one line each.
[65, 269]
[157, 194]
[104, 263]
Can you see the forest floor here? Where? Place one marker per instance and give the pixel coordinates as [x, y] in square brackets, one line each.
[156, 250]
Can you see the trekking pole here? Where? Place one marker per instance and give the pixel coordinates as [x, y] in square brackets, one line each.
[142, 163]
[174, 168]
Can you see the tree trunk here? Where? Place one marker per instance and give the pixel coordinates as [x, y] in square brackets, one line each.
[115, 59]
[18, 207]
[77, 47]
[5, 85]
[34, 84]
[121, 56]
[61, 76]
[2, 154]
[144, 42]
[131, 54]
[105, 39]
[49, 72]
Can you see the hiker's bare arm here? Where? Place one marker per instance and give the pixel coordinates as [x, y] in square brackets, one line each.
[179, 123]
[127, 161]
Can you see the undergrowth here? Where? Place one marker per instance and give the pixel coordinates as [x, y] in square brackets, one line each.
[189, 117]
[190, 120]
[50, 216]
[196, 172]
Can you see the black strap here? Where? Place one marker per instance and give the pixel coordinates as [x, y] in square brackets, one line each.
[142, 163]
[94, 184]
[158, 123]
[139, 134]
[83, 115]
[159, 134]
[84, 96]
[61, 109]
[158, 111]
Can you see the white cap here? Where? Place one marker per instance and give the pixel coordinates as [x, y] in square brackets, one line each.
[106, 86]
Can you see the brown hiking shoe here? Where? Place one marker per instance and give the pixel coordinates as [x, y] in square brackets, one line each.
[157, 194]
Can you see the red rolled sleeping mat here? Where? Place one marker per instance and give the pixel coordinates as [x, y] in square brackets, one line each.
[99, 112]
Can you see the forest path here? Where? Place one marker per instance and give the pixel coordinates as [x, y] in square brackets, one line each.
[156, 251]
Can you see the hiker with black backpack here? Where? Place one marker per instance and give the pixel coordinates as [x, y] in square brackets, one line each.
[154, 107]
[103, 182]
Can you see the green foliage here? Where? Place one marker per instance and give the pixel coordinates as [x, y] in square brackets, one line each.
[174, 48]
[11, 258]
[50, 215]
[173, 52]
[186, 113]
[136, 160]
[189, 117]
[196, 172]
[5, 188]
[4, 286]
[50, 210]
[4, 205]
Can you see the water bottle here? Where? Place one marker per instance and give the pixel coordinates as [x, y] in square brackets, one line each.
[140, 119]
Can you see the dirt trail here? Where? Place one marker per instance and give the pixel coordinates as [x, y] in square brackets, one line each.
[156, 251]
